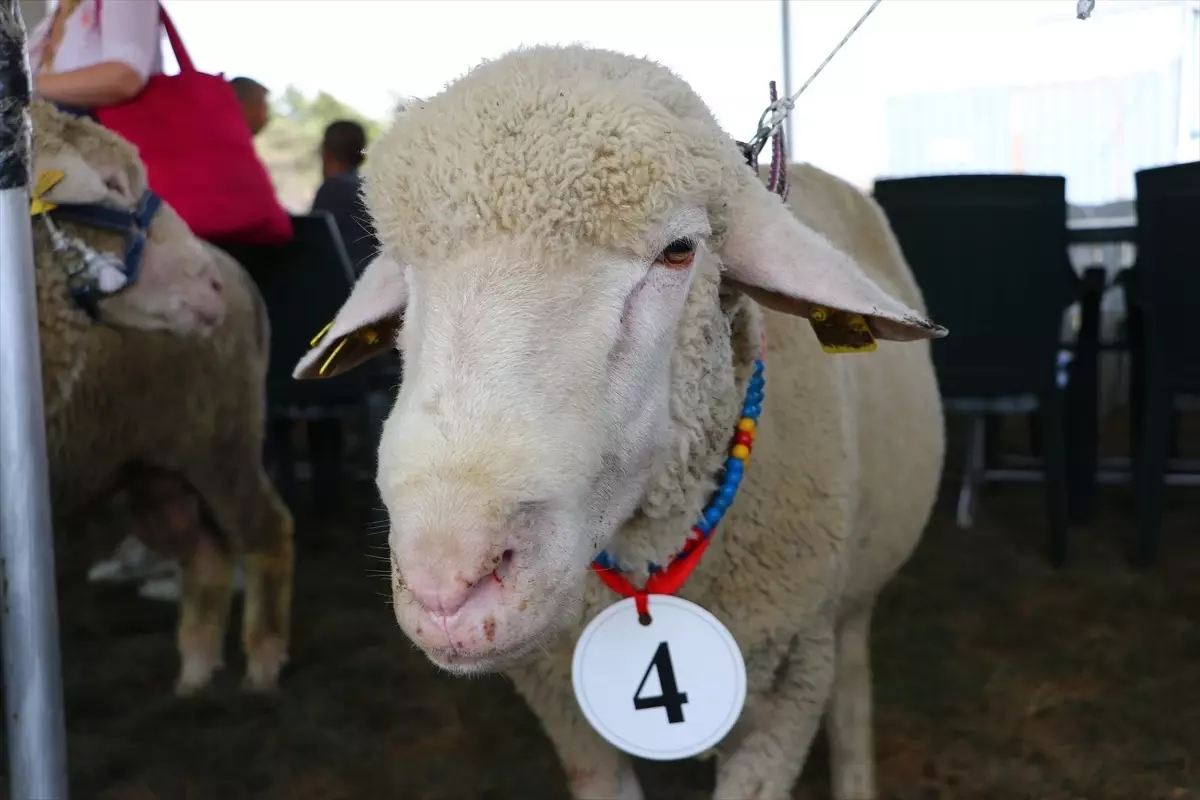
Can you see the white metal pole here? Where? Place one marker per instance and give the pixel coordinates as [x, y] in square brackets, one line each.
[790, 129]
[33, 705]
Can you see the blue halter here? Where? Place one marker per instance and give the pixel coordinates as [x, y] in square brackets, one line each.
[135, 225]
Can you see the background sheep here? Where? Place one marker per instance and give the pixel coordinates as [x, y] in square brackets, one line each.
[179, 286]
[177, 421]
[572, 244]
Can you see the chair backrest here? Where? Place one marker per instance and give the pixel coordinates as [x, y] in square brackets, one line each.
[990, 255]
[1168, 267]
[303, 283]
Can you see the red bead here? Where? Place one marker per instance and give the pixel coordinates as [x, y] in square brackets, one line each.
[743, 438]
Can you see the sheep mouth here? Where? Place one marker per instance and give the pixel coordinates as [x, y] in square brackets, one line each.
[464, 663]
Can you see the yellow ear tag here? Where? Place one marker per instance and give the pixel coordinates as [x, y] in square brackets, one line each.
[841, 331]
[45, 182]
[320, 334]
[367, 336]
[329, 359]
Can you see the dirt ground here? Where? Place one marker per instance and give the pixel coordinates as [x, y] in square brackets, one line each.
[996, 677]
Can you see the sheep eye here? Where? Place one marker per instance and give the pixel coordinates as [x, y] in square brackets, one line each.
[678, 254]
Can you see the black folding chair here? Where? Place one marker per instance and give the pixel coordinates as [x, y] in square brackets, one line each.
[990, 255]
[1163, 299]
[304, 283]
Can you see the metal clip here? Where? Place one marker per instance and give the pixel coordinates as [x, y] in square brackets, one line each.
[101, 270]
[771, 118]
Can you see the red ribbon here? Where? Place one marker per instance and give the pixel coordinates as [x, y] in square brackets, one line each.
[667, 581]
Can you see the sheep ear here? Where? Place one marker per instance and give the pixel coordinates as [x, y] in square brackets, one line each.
[80, 183]
[785, 265]
[367, 324]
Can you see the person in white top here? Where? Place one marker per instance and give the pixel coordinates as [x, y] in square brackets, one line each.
[89, 54]
[92, 53]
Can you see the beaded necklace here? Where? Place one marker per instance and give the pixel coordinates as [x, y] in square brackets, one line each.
[683, 563]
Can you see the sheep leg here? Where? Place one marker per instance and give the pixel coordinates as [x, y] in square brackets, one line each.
[595, 769]
[159, 508]
[250, 512]
[848, 723]
[767, 761]
[203, 612]
[266, 615]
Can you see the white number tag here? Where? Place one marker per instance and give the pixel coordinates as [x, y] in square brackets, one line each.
[665, 691]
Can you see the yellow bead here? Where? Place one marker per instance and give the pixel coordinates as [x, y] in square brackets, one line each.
[746, 425]
[740, 451]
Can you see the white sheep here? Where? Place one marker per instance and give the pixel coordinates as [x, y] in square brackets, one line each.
[83, 164]
[176, 421]
[574, 258]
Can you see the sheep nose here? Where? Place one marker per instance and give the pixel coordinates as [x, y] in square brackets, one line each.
[444, 595]
[441, 598]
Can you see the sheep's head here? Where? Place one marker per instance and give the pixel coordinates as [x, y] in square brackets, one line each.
[178, 286]
[556, 226]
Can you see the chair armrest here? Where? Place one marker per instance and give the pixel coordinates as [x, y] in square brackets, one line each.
[1128, 280]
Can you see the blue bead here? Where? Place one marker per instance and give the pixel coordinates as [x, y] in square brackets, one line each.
[722, 502]
[751, 411]
[758, 367]
[603, 560]
[733, 467]
[712, 516]
[727, 495]
[703, 526]
[756, 397]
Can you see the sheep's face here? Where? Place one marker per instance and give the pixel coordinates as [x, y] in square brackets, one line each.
[533, 403]
[545, 222]
[179, 287]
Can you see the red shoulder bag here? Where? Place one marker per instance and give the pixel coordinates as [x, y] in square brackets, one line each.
[199, 153]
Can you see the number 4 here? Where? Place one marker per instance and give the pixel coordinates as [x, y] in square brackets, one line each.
[671, 698]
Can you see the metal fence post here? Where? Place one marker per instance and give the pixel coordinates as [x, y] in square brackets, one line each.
[33, 702]
[785, 23]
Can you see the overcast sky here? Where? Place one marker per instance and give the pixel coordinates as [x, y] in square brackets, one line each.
[366, 52]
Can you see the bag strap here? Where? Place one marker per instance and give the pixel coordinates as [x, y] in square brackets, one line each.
[55, 32]
[181, 53]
